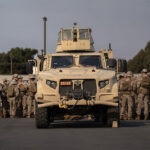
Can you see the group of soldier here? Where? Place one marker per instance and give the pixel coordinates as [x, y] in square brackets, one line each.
[18, 97]
[134, 93]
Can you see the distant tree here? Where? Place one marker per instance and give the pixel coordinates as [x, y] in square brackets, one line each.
[141, 60]
[19, 57]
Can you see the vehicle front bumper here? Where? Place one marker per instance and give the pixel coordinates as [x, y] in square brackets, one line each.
[49, 100]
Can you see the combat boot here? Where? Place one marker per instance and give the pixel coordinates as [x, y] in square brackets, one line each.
[146, 117]
[90, 117]
[121, 117]
[138, 117]
[125, 118]
[12, 116]
[130, 118]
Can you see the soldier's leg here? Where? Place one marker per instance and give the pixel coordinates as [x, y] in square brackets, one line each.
[33, 106]
[14, 107]
[120, 104]
[29, 102]
[146, 110]
[4, 112]
[3, 108]
[24, 105]
[10, 107]
[130, 107]
[123, 106]
[139, 105]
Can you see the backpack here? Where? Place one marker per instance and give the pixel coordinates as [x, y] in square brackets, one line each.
[22, 88]
[145, 83]
[32, 88]
[10, 91]
[126, 86]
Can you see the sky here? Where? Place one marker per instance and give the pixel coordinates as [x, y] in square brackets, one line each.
[123, 23]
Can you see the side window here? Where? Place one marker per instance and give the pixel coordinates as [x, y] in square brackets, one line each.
[67, 35]
[84, 34]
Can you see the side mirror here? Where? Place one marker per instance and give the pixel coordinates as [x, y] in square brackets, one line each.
[41, 57]
[122, 65]
[111, 63]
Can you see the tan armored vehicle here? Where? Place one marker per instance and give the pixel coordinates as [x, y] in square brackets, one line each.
[76, 80]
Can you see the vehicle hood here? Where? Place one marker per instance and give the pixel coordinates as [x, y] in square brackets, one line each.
[77, 73]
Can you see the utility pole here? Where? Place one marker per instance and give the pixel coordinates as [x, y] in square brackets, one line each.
[44, 20]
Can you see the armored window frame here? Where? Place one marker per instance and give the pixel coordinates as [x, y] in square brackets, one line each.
[66, 34]
[62, 66]
[82, 35]
[88, 62]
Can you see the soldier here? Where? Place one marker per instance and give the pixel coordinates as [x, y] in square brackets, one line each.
[22, 99]
[121, 78]
[5, 103]
[143, 85]
[125, 89]
[14, 77]
[133, 91]
[32, 88]
[1, 114]
[12, 95]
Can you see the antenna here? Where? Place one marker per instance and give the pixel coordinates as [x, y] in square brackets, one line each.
[109, 47]
[74, 24]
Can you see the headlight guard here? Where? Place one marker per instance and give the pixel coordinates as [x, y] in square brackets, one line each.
[103, 83]
[52, 84]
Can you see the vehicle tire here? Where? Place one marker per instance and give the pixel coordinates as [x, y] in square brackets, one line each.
[41, 117]
[112, 115]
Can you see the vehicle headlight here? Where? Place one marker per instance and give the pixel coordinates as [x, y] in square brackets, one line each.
[103, 83]
[52, 84]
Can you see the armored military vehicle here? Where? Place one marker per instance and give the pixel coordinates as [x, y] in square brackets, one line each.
[76, 80]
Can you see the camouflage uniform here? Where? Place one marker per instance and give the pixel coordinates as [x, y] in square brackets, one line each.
[125, 90]
[143, 85]
[22, 99]
[12, 97]
[32, 88]
[121, 78]
[5, 103]
[133, 92]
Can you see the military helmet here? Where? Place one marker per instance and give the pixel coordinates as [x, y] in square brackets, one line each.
[31, 76]
[144, 70]
[14, 82]
[4, 80]
[20, 77]
[129, 73]
[15, 76]
[124, 75]
[148, 74]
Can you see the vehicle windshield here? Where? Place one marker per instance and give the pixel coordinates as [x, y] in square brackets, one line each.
[83, 34]
[90, 61]
[67, 34]
[62, 61]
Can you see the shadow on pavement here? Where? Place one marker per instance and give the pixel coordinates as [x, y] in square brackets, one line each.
[76, 124]
[134, 123]
[92, 124]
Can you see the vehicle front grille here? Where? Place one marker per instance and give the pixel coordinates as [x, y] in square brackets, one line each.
[65, 89]
[78, 89]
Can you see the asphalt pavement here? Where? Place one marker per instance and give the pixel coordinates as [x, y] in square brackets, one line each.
[21, 134]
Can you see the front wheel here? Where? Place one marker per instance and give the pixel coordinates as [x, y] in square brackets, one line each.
[41, 117]
[111, 116]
